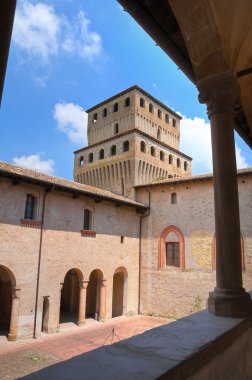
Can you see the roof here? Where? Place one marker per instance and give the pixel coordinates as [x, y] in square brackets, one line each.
[35, 177]
[136, 130]
[191, 178]
[131, 89]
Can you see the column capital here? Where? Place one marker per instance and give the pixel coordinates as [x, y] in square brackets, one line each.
[220, 93]
[16, 292]
[103, 283]
[83, 284]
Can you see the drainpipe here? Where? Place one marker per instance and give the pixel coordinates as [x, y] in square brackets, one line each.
[140, 250]
[39, 259]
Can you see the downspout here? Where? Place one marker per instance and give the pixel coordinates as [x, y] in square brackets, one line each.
[39, 259]
[140, 251]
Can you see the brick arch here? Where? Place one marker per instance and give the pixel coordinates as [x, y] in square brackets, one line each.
[214, 253]
[162, 246]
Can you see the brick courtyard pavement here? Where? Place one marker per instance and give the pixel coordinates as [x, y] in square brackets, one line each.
[24, 357]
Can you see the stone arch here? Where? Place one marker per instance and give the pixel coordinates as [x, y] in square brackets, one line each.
[119, 297]
[94, 301]
[242, 253]
[70, 296]
[162, 246]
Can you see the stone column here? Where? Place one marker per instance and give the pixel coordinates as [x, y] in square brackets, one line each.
[229, 298]
[14, 314]
[102, 313]
[82, 303]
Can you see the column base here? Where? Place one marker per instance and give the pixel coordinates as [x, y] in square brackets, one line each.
[233, 303]
[12, 338]
[81, 323]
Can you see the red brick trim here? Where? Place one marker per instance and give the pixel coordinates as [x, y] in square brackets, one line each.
[162, 247]
[242, 253]
[88, 233]
[30, 223]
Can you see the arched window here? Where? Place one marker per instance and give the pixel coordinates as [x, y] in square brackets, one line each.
[95, 116]
[127, 102]
[161, 155]
[185, 166]
[115, 107]
[81, 161]
[143, 147]
[151, 108]
[153, 151]
[171, 248]
[178, 163]
[170, 159]
[125, 146]
[87, 219]
[159, 133]
[167, 118]
[116, 129]
[101, 154]
[29, 207]
[173, 198]
[174, 123]
[113, 150]
[90, 157]
[105, 112]
[214, 253]
[159, 113]
[142, 102]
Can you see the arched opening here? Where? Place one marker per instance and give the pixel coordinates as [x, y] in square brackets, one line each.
[142, 102]
[101, 154]
[7, 281]
[105, 112]
[127, 102]
[143, 147]
[115, 107]
[120, 279]
[159, 134]
[69, 302]
[93, 294]
[151, 108]
[171, 248]
[178, 163]
[170, 159]
[81, 161]
[90, 157]
[95, 117]
[126, 146]
[185, 166]
[87, 220]
[162, 155]
[45, 315]
[153, 151]
[159, 112]
[116, 128]
[113, 150]
[173, 198]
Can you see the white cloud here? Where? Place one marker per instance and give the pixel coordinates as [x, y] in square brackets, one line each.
[41, 33]
[72, 120]
[34, 161]
[196, 142]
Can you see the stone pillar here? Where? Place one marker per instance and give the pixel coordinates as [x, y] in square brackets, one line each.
[14, 314]
[229, 298]
[102, 313]
[82, 303]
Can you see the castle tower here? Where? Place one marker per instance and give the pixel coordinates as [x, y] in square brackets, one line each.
[133, 139]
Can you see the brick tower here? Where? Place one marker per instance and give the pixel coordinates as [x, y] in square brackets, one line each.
[133, 139]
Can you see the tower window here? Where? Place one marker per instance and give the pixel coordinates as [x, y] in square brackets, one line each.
[29, 207]
[115, 107]
[125, 146]
[81, 161]
[170, 159]
[185, 166]
[142, 102]
[127, 102]
[116, 128]
[143, 147]
[105, 112]
[178, 163]
[173, 198]
[174, 123]
[113, 150]
[167, 118]
[162, 156]
[95, 117]
[159, 133]
[90, 157]
[151, 108]
[153, 151]
[87, 219]
[159, 112]
[101, 154]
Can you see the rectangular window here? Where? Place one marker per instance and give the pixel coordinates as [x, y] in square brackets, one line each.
[172, 254]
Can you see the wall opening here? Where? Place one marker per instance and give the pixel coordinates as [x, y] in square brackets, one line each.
[7, 281]
[119, 292]
[93, 294]
[69, 302]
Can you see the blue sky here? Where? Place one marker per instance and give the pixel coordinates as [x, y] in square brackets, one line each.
[68, 55]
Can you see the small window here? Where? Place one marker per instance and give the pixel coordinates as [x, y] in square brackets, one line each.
[127, 102]
[178, 163]
[162, 156]
[105, 112]
[113, 150]
[167, 118]
[142, 102]
[101, 154]
[159, 113]
[159, 133]
[81, 161]
[29, 207]
[170, 159]
[172, 254]
[151, 109]
[90, 157]
[95, 116]
[173, 198]
[174, 123]
[125, 146]
[116, 129]
[122, 239]
[115, 107]
[185, 166]
[87, 219]
[153, 151]
[143, 147]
